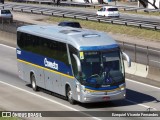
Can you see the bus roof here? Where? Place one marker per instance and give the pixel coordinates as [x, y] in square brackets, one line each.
[82, 39]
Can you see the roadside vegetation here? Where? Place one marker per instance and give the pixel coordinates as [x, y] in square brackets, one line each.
[7, 118]
[146, 34]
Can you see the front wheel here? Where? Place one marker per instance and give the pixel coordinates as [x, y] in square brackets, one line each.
[33, 82]
[69, 96]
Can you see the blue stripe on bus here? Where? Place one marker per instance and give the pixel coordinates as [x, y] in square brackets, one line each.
[105, 47]
[102, 88]
[40, 61]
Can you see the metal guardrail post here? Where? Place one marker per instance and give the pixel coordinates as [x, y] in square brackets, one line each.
[111, 21]
[147, 58]
[123, 47]
[2, 24]
[155, 27]
[140, 26]
[16, 24]
[99, 20]
[135, 53]
[136, 10]
[125, 23]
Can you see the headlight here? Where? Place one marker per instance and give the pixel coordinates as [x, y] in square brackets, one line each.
[84, 90]
[87, 92]
[122, 86]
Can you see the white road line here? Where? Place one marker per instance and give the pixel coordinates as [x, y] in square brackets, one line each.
[140, 104]
[50, 100]
[7, 46]
[143, 84]
[154, 61]
[74, 108]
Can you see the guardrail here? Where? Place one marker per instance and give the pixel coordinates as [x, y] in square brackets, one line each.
[81, 15]
[85, 4]
[146, 55]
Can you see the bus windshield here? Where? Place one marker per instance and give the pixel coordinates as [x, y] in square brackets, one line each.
[102, 68]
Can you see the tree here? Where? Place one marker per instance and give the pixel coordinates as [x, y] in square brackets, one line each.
[145, 2]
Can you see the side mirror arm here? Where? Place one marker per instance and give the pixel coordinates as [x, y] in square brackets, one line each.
[78, 62]
[127, 58]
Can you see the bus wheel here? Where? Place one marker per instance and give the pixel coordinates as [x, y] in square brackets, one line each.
[69, 96]
[33, 82]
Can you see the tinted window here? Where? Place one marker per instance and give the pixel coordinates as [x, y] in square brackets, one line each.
[70, 24]
[5, 12]
[49, 48]
[112, 9]
[101, 9]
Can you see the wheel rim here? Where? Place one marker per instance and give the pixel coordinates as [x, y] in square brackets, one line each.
[69, 94]
[33, 82]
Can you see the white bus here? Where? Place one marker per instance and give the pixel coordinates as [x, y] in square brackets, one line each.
[83, 65]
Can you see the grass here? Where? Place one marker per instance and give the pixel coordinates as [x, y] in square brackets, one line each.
[113, 28]
[9, 118]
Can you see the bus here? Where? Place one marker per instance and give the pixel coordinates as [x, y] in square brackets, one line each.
[81, 64]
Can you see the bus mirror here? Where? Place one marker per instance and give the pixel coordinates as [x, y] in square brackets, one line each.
[126, 57]
[78, 62]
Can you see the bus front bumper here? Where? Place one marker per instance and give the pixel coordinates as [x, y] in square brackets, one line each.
[89, 98]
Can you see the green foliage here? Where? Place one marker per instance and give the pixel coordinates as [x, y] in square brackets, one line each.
[147, 34]
[9, 118]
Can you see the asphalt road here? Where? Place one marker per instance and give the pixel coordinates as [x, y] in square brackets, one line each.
[82, 10]
[16, 95]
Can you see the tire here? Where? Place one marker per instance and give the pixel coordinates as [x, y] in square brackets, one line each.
[33, 83]
[69, 96]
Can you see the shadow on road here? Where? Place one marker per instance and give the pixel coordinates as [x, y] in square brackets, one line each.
[134, 96]
[131, 95]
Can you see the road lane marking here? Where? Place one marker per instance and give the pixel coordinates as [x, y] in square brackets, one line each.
[74, 108]
[143, 84]
[7, 46]
[140, 104]
[50, 100]
[154, 61]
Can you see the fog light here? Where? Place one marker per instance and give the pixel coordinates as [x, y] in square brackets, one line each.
[124, 95]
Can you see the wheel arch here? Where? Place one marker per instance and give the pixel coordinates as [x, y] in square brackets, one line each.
[66, 87]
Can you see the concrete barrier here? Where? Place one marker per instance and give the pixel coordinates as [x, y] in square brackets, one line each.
[154, 73]
[136, 69]
[8, 38]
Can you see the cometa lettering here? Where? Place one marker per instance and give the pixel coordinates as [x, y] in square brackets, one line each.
[50, 64]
